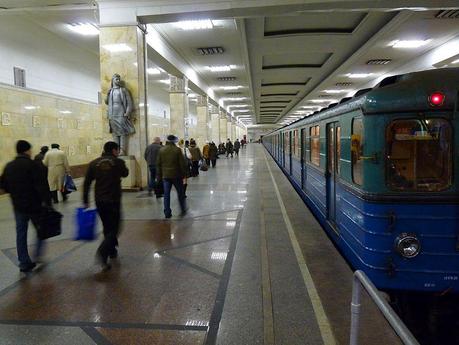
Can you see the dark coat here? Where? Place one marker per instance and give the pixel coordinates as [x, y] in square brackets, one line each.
[107, 170]
[151, 153]
[229, 147]
[196, 154]
[171, 162]
[237, 145]
[213, 151]
[24, 179]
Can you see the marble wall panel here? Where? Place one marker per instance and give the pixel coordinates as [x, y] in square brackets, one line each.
[25, 106]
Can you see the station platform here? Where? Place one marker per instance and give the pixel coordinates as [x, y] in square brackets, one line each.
[247, 265]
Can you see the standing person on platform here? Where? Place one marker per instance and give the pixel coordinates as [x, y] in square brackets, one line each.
[183, 145]
[39, 157]
[229, 148]
[213, 153]
[26, 183]
[237, 146]
[107, 171]
[151, 153]
[171, 168]
[242, 143]
[196, 156]
[205, 152]
[58, 166]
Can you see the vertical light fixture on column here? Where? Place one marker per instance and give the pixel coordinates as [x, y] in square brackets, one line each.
[215, 128]
[202, 111]
[223, 126]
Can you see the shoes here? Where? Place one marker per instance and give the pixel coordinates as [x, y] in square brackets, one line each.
[159, 196]
[168, 216]
[113, 255]
[28, 268]
[184, 212]
[103, 261]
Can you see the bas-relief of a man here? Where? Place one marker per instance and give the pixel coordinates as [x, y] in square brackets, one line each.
[119, 103]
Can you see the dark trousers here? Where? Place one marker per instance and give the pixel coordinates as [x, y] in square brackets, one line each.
[152, 182]
[110, 215]
[214, 161]
[55, 198]
[237, 152]
[22, 225]
[195, 168]
[178, 184]
[207, 161]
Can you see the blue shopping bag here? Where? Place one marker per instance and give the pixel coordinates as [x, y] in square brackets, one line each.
[69, 185]
[86, 224]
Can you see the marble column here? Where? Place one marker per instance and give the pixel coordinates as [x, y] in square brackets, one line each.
[179, 118]
[223, 126]
[122, 51]
[229, 131]
[215, 125]
[233, 130]
[202, 111]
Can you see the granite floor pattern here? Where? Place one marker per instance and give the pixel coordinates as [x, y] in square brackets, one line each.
[200, 279]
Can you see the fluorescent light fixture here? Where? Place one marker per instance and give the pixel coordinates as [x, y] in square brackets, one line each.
[455, 61]
[165, 81]
[84, 29]
[235, 87]
[117, 47]
[320, 100]
[238, 106]
[188, 25]
[358, 75]
[310, 107]
[65, 112]
[234, 99]
[336, 91]
[153, 71]
[221, 68]
[30, 107]
[408, 44]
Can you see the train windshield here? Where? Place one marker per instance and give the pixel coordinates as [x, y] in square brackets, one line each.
[419, 155]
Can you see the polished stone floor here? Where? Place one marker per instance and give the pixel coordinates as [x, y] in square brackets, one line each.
[224, 274]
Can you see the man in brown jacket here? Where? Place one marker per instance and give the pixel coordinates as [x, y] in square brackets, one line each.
[171, 168]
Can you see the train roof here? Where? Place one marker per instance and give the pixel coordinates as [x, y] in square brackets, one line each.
[399, 93]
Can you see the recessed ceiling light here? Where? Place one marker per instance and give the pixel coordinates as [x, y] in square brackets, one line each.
[204, 24]
[84, 29]
[65, 112]
[238, 106]
[358, 75]
[341, 84]
[30, 107]
[379, 61]
[210, 50]
[320, 100]
[234, 99]
[335, 91]
[455, 61]
[153, 71]
[223, 68]
[165, 81]
[117, 47]
[235, 87]
[407, 44]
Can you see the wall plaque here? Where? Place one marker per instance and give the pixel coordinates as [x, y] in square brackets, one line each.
[6, 119]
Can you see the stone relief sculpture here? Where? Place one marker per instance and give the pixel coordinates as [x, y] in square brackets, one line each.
[119, 111]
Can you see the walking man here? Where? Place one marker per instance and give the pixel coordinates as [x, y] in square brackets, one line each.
[26, 183]
[151, 153]
[107, 171]
[58, 166]
[229, 148]
[213, 153]
[171, 168]
[237, 146]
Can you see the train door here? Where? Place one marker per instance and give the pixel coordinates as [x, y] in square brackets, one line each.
[302, 154]
[333, 153]
[282, 150]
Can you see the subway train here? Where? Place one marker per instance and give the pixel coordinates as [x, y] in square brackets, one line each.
[380, 173]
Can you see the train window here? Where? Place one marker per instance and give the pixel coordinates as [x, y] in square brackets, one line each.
[287, 143]
[357, 143]
[296, 144]
[314, 132]
[419, 155]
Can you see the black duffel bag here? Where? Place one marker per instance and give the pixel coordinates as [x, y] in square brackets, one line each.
[49, 223]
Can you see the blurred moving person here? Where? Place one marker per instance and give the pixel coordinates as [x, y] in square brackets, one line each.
[237, 146]
[213, 153]
[58, 166]
[151, 154]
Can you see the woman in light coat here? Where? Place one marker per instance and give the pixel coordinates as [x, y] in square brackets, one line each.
[58, 166]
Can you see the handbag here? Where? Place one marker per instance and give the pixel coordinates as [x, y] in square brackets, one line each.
[204, 166]
[86, 224]
[69, 185]
[49, 223]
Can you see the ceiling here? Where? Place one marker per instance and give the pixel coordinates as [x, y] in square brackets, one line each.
[281, 63]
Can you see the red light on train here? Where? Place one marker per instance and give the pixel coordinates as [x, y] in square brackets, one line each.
[437, 99]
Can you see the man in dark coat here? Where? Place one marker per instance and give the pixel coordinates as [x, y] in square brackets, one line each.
[27, 185]
[151, 153]
[213, 153]
[171, 168]
[229, 148]
[237, 146]
[107, 171]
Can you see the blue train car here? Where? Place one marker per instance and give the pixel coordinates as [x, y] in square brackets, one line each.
[379, 171]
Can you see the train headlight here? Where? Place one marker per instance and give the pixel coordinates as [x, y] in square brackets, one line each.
[407, 245]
